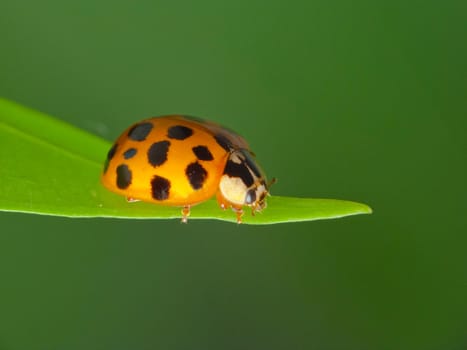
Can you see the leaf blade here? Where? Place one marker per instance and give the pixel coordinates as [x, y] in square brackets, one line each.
[49, 167]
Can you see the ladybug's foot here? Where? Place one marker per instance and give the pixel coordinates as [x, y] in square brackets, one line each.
[185, 213]
[239, 212]
[131, 200]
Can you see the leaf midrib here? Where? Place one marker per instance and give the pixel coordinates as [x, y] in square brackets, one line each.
[51, 145]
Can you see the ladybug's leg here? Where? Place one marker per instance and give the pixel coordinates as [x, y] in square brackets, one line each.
[239, 212]
[185, 213]
[223, 203]
[131, 200]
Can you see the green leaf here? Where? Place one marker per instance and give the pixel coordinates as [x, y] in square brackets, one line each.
[52, 168]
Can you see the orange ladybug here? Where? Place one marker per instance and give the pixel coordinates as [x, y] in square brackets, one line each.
[182, 161]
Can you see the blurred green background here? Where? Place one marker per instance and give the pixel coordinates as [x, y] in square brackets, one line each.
[355, 100]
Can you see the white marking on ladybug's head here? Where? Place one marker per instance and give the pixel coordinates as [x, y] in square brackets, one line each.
[235, 157]
[233, 189]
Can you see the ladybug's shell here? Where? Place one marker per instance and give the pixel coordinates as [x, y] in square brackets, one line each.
[172, 160]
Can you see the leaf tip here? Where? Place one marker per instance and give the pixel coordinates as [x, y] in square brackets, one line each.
[366, 209]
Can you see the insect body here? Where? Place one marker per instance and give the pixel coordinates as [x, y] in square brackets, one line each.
[182, 161]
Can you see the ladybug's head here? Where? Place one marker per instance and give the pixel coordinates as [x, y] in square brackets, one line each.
[243, 182]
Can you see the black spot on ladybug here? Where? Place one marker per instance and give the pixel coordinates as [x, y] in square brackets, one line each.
[112, 151]
[110, 155]
[160, 188]
[129, 153]
[202, 153]
[106, 165]
[251, 163]
[250, 197]
[179, 132]
[196, 175]
[139, 132]
[157, 153]
[224, 142]
[123, 176]
[233, 169]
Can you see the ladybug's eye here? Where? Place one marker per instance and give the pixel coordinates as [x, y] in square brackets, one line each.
[250, 197]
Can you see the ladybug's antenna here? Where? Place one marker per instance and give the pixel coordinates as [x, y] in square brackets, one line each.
[272, 182]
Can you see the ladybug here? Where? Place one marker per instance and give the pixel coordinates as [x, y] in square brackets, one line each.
[182, 161]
